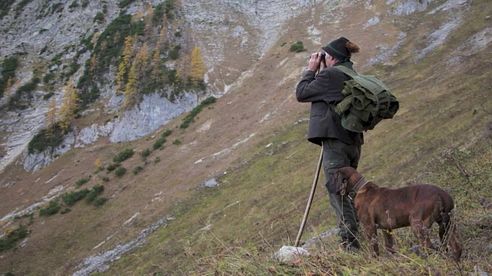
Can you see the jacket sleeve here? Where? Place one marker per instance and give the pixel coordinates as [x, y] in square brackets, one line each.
[321, 87]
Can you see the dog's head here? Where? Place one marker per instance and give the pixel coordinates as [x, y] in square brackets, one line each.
[346, 178]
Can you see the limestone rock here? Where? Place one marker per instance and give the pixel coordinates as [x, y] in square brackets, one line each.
[289, 254]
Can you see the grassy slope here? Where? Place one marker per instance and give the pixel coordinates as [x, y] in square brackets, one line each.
[441, 135]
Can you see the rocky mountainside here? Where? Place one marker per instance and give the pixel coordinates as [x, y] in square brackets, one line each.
[163, 137]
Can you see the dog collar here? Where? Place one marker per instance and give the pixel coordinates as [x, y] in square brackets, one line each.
[360, 184]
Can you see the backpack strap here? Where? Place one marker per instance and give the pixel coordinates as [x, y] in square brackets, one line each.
[346, 70]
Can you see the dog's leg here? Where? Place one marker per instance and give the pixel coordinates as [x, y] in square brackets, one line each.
[388, 241]
[443, 222]
[370, 232]
[420, 232]
[453, 241]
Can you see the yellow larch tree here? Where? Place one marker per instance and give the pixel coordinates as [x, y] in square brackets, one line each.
[197, 66]
[136, 74]
[69, 105]
[131, 87]
[51, 114]
[124, 63]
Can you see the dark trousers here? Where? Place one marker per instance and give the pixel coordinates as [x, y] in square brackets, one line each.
[337, 154]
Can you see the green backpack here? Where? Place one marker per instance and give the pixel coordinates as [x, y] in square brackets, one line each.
[366, 102]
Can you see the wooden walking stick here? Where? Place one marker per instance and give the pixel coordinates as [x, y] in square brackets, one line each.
[310, 199]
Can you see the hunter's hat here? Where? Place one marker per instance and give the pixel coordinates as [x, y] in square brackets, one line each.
[341, 48]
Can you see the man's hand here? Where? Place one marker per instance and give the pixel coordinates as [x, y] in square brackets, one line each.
[314, 62]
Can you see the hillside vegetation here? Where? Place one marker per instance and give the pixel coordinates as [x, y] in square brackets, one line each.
[252, 141]
[441, 135]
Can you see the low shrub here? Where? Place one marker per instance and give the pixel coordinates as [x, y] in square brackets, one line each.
[48, 95]
[9, 66]
[22, 97]
[10, 240]
[297, 47]
[66, 210]
[193, 113]
[99, 18]
[94, 193]
[123, 155]
[158, 144]
[105, 179]
[5, 6]
[112, 167]
[145, 153]
[71, 198]
[50, 137]
[177, 142]
[100, 201]
[48, 78]
[82, 181]
[137, 170]
[166, 133]
[174, 52]
[157, 160]
[124, 3]
[120, 171]
[52, 208]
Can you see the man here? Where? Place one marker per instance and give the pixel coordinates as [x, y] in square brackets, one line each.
[341, 147]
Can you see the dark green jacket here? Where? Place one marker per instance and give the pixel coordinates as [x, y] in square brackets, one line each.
[324, 91]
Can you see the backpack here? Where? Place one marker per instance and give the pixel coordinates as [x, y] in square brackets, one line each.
[366, 102]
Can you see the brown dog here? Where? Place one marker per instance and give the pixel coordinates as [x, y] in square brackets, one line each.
[418, 206]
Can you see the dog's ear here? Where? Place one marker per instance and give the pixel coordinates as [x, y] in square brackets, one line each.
[338, 183]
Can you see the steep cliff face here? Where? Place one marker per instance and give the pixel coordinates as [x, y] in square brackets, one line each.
[234, 34]
[218, 181]
[50, 45]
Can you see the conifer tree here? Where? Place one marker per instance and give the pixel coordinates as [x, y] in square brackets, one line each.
[197, 66]
[149, 13]
[124, 63]
[69, 106]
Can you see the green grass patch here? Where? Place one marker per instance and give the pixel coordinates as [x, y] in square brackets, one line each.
[191, 116]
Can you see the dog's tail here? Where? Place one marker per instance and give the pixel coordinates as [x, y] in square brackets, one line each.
[449, 235]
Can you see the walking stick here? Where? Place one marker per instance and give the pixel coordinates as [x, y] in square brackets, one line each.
[310, 200]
